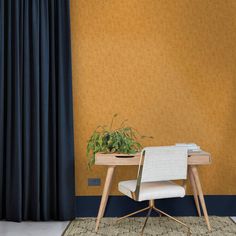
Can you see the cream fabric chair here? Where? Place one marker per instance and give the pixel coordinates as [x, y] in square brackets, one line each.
[158, 166]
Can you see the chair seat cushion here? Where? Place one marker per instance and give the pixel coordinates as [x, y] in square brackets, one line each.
[152, 190]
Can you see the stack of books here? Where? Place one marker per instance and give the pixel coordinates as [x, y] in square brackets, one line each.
[193, 147]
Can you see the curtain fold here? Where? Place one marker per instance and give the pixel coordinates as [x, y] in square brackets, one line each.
[36, 117]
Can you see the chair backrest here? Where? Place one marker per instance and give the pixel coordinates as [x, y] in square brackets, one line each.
[164, 163]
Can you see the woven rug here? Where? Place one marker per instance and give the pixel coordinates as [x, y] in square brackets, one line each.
[221, 226]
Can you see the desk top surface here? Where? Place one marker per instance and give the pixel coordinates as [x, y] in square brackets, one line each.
[111, 159]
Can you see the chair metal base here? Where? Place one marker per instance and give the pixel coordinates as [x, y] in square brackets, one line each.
[160, 212]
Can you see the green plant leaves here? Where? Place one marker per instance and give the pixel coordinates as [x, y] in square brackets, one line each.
[121, 140]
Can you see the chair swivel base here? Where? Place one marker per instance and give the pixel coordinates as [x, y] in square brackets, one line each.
[150, 208]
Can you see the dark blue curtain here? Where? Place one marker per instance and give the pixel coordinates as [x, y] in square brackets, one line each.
[36, 121]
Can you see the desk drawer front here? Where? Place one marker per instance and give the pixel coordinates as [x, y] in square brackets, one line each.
[111, 160]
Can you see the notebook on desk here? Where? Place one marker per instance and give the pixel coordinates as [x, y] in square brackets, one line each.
[192, 147]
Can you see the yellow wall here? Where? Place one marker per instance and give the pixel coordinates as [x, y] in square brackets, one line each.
[167, 66]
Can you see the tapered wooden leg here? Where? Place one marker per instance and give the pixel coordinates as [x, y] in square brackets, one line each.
[195, 194]
[201, 197]
[105, 194]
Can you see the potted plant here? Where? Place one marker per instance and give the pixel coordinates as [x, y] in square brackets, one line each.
[108, 140]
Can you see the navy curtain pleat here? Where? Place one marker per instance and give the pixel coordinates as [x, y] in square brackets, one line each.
[36, 116]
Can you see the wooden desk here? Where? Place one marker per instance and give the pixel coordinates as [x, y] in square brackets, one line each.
[194, 159]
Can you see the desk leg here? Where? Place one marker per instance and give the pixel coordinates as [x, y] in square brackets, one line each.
[105, 194]
[194, 188]
[201, 197]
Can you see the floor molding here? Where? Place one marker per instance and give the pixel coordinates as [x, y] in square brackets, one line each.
[219, 205]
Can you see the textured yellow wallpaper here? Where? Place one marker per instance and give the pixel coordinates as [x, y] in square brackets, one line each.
[169, 67]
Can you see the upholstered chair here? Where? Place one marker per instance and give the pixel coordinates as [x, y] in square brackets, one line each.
[157, 168]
